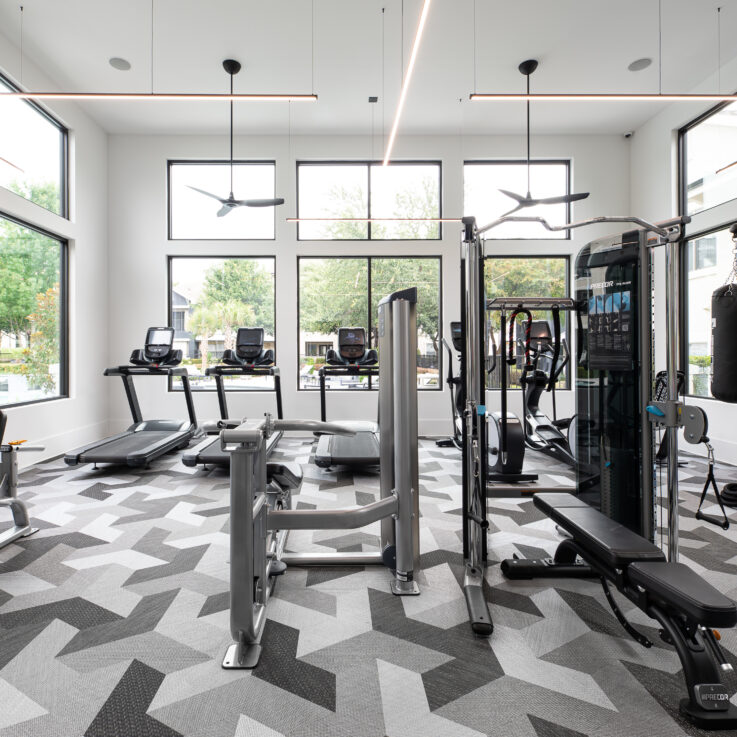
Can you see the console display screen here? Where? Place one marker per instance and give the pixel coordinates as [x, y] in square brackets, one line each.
[251, 336]
[352, 336]
[160, 337]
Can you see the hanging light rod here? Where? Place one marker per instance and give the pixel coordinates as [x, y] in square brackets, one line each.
[159, 96]
[374, 220]
[599, 97]
[405, 82]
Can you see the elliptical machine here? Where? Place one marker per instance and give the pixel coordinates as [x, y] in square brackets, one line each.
[550, 355]
[455, 386]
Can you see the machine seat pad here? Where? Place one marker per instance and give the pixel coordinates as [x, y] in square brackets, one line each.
[676, 586]
[606, 540]
[287, 475]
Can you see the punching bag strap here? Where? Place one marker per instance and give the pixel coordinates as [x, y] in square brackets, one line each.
[711, 481]
[556, 349]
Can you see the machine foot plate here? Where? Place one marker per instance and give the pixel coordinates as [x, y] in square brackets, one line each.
[405, 588]
[237, 657]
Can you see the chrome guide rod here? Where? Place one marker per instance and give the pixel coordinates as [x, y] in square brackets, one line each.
[673, 306]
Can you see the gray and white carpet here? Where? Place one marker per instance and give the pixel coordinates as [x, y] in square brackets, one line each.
[114, 620]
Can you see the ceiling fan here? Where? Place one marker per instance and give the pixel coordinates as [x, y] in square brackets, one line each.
[228, 203]
[527, 68]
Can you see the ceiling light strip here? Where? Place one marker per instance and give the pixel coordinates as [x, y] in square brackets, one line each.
[374, 220]
[599, 97]
[158, 96]
[406, 81]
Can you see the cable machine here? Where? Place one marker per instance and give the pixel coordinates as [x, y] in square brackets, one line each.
[668, 413]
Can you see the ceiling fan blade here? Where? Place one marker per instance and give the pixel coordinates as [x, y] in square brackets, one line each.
[225, 209]
[564, 198]
[208, 194]
[518, 197]
[261, 203]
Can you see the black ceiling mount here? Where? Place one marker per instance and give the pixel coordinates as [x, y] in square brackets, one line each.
[232, 66]
[528, 67]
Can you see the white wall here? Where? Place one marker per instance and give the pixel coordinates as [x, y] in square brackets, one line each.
[138, 248]
[65, 423]
[653, 196]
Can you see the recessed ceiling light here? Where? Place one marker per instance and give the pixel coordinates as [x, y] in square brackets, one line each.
[122, 65]
[639, 64]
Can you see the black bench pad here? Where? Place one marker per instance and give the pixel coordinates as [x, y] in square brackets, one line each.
[677, 586]
[609, 542]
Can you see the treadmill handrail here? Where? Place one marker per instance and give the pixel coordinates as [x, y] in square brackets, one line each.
[245, 370]
[353, 369]
[130, 370]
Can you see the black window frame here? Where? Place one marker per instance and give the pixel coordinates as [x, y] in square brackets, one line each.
[523, 162]
[368, 163]
[570, 313]
[63, 312]
[169, 314]
[63, 153]
[682, 160]
[210, 162]
[369, 328]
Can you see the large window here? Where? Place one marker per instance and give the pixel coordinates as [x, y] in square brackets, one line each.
[194, 215]
[482, 198]
[523, 276]
[345, 292]
[709, 160]
[32, 153]
[708, 261]
[368, 189]
[209, 299]
[32, 315]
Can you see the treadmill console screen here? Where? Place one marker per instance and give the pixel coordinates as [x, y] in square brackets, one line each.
[351, 342]
[160, 336]
[456, 334]
[249, 342]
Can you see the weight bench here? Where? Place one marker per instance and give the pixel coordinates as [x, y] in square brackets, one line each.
[686, 606]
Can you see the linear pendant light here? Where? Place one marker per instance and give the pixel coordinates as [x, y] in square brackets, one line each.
[405, 82]
[600, 97]
[159, 96]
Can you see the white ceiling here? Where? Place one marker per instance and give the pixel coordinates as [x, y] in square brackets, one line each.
[582, 45]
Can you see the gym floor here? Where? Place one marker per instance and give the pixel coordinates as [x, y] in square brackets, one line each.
[114, 619]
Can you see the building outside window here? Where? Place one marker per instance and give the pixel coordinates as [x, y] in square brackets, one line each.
[345, 292]
[209, 299]
[33, 153]
[194, 215]
[709, 156]
[33, 333]
[368, 189]
[483, 199]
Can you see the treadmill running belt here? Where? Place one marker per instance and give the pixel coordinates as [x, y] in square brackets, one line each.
[118, 450]
[361, 449]
[214, 455]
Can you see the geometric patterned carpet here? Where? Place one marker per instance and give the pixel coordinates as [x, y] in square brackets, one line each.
[114, 619]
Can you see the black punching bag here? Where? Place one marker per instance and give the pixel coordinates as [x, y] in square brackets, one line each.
[724, 339]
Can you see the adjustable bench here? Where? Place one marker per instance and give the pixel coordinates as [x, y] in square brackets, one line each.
[686, 606]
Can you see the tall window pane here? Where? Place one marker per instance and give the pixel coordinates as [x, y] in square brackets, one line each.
[526, 277]
[32, 154]
[333, 191]
[483, 199]
[333, 293]
[32, 308]
[708, 261]
[391, 274]
[405, 191]
[210, 298]
[194, 215]
[367, 189]
[711, 155]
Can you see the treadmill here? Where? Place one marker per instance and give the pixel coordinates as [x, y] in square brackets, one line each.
[144, 440]
[248, 359]
[352, 359]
